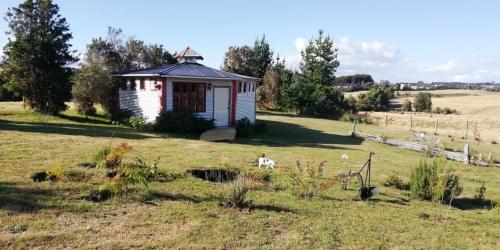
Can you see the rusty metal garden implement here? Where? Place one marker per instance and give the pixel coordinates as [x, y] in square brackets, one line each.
[366, 190]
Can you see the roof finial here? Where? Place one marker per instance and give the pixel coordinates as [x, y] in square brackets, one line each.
[188, 55]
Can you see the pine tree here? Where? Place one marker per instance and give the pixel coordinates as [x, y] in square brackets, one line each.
[36, 55]
[319, 60]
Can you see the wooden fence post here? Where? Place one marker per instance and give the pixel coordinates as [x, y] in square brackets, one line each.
[436, 127]
[467, 130]
[353, 132]
[386, 120]
[466, 153]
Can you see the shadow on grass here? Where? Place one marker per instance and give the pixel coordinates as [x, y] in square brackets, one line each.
[20, 199]
[472, 204]
[80, 119]
[72, 129]
[281, 134]
[272, 208]
[156, 195]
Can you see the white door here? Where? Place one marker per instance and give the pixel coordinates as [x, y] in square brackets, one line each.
[221, 107]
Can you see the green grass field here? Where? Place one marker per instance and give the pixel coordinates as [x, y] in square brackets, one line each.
[185, 213]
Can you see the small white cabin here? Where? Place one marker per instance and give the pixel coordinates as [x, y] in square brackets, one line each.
[189, 86]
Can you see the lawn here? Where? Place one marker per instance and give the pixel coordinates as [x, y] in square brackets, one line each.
[186, 212]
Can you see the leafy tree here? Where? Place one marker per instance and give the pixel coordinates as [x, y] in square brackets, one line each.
[86, 92]
[94, 84]
[355, 82]
[423, 102]
[376, 99]
[270, 94]
[36, 54]
[238, 60]
[251, 61]
[262, 57]
[319, 60]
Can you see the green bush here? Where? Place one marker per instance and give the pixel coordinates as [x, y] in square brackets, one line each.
[100, 155]
[376, 99]
[396, 182]
[358, 118]
[244, 128]
[137, 122]
[407, 105]
[182, 123]
[430, 181]
[237, 197]
[122, 116]
[423, 102]
[309, 181]
[448, 187]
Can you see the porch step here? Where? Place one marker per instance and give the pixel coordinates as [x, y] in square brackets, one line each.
[219, 134]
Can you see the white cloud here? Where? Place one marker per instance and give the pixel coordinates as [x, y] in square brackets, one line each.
[386, 61]
[300, 44]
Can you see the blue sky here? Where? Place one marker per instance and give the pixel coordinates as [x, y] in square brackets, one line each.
[393, 40]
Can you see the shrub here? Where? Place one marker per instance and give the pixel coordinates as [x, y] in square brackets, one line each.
[244, 128]
[114, 158]
[122, 116]
[407, 105]
[309, 180]
[448, 186]
[423, 102]
[100, 155]
[237, 197]
[429, 181]
[56, 174]
[137, 122]
[182, 123]
[480, 195]
[358, 118]
[444, 111]
[423, 180]
[396, 182]
[376, 99]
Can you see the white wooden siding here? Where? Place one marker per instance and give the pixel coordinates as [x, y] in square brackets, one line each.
[147, 102]
[245, 104]
[142, 102]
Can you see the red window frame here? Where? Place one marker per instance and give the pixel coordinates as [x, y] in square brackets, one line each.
[142, 84]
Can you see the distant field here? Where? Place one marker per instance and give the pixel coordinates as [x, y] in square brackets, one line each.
[481, 109]
[186, 213]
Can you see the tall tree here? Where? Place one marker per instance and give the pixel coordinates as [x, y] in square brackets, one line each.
[36, 54]
[262, 57]
[238, 60]
[93, 82]
[319, 60]
[251, 61]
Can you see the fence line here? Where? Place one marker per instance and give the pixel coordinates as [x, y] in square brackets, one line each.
[415, 146]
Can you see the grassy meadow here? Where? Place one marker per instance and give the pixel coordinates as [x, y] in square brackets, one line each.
[186, 213]
[480, 109]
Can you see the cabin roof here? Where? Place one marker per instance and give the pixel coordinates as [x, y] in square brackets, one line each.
[187, 70]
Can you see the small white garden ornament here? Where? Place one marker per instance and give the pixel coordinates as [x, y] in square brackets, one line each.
[267, 162]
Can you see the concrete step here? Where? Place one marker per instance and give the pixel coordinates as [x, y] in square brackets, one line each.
[219, 134]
